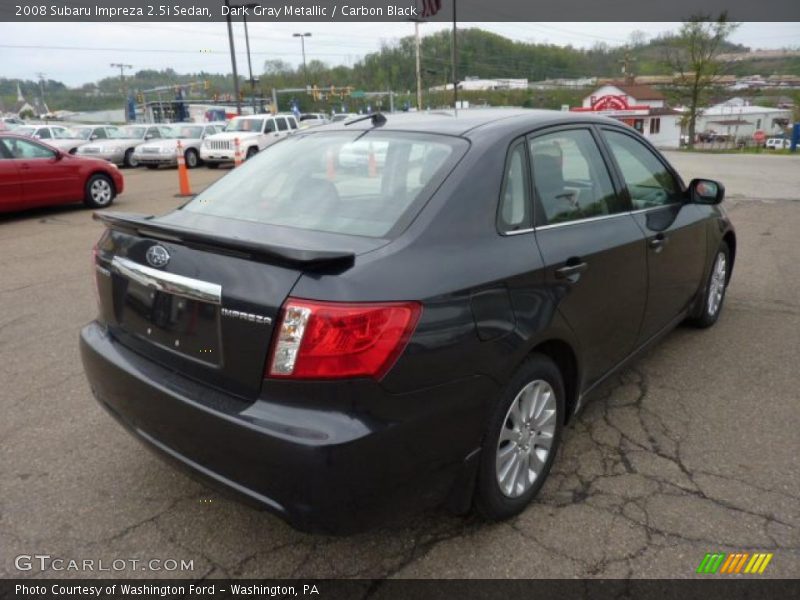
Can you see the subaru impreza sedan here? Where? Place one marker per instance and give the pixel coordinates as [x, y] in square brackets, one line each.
[343, 345]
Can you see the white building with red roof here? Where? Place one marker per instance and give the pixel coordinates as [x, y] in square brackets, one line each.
[640, 106]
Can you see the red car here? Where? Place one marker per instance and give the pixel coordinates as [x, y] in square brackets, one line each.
[34, 174]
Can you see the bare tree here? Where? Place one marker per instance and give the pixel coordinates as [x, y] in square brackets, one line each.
[693, 55]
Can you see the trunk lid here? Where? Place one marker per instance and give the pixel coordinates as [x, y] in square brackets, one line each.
[201, 295]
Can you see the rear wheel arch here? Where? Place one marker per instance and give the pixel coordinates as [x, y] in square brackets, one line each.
[730, 239]
[565, 358]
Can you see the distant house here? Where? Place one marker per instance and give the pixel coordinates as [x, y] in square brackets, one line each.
[738, 119]
[640, 106]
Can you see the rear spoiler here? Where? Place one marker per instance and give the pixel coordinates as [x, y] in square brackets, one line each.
[145, 226]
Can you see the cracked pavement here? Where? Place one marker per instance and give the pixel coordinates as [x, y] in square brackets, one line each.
[692, 449]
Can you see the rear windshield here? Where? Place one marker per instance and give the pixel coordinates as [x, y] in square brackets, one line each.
[369, 184]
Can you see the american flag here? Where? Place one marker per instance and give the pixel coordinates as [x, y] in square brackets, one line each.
[431, 7]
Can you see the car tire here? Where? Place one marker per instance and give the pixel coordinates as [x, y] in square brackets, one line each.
[152, 167]
[191, 159]
[714, 290]
[99, 191]
[212, 165]
[130, 160]
[521, 439]
[251, 152]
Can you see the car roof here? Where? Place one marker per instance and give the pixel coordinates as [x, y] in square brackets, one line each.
[445, 122]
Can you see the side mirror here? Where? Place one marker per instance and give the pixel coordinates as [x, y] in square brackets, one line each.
[706, 191]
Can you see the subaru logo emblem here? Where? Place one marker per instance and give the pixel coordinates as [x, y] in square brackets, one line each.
[157, 256]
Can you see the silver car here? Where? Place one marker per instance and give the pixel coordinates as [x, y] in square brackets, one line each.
[155, 153]
[53, 135]
[119, 149]
[90, 133]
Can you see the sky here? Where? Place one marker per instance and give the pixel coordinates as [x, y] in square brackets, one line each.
[77, 53]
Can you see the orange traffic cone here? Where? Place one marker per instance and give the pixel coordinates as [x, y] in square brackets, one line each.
[183, 174]
[372, 164]
[237, 153]
[330, 167]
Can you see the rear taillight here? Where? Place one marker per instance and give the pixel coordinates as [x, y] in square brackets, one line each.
[333, 340]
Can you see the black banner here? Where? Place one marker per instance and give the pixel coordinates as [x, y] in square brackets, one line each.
[713, 588]
[467, 11]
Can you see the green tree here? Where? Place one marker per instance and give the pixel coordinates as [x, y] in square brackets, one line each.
[693, 55]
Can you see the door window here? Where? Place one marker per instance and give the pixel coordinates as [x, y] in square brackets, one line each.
[43, 133]
[99, 134]
[570, 178]
[648, 181]
[292, 123]
[25, 149]
[515, 206]
[270, 126]
[153, 133]
[282, 126]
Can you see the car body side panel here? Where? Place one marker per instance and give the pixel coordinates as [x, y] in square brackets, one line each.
[675, 270]
[10, 184]
[605, 303]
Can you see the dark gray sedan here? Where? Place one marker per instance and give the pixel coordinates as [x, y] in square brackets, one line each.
[340, 341]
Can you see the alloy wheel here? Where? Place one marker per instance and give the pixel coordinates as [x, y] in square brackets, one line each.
[526, 438]
[716, 288]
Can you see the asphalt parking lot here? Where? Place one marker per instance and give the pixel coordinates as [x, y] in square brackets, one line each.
[693, 449]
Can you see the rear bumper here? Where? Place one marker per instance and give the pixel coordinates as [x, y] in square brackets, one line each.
[320, 469]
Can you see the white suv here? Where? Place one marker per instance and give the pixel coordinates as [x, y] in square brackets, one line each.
[254, 132]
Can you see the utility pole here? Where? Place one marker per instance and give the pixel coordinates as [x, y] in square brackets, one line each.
[419, 74]
[122, 67]
[233, 58]
[41, 77]
[454, 59]
[627, 67]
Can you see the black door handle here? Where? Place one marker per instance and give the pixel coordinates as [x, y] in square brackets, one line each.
[658, 242]
[571, 269]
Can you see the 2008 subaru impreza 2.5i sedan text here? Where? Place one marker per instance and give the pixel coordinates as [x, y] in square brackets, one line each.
[344, 340]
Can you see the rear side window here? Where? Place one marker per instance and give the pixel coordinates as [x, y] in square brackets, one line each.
[292, 123]
[649, 182]
[570, 177]
[282, 124]
[515, 207]
[25, 149]
[358, 183]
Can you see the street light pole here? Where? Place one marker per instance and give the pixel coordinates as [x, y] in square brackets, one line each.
[233, 58]
[303, 37]
[249, 62]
